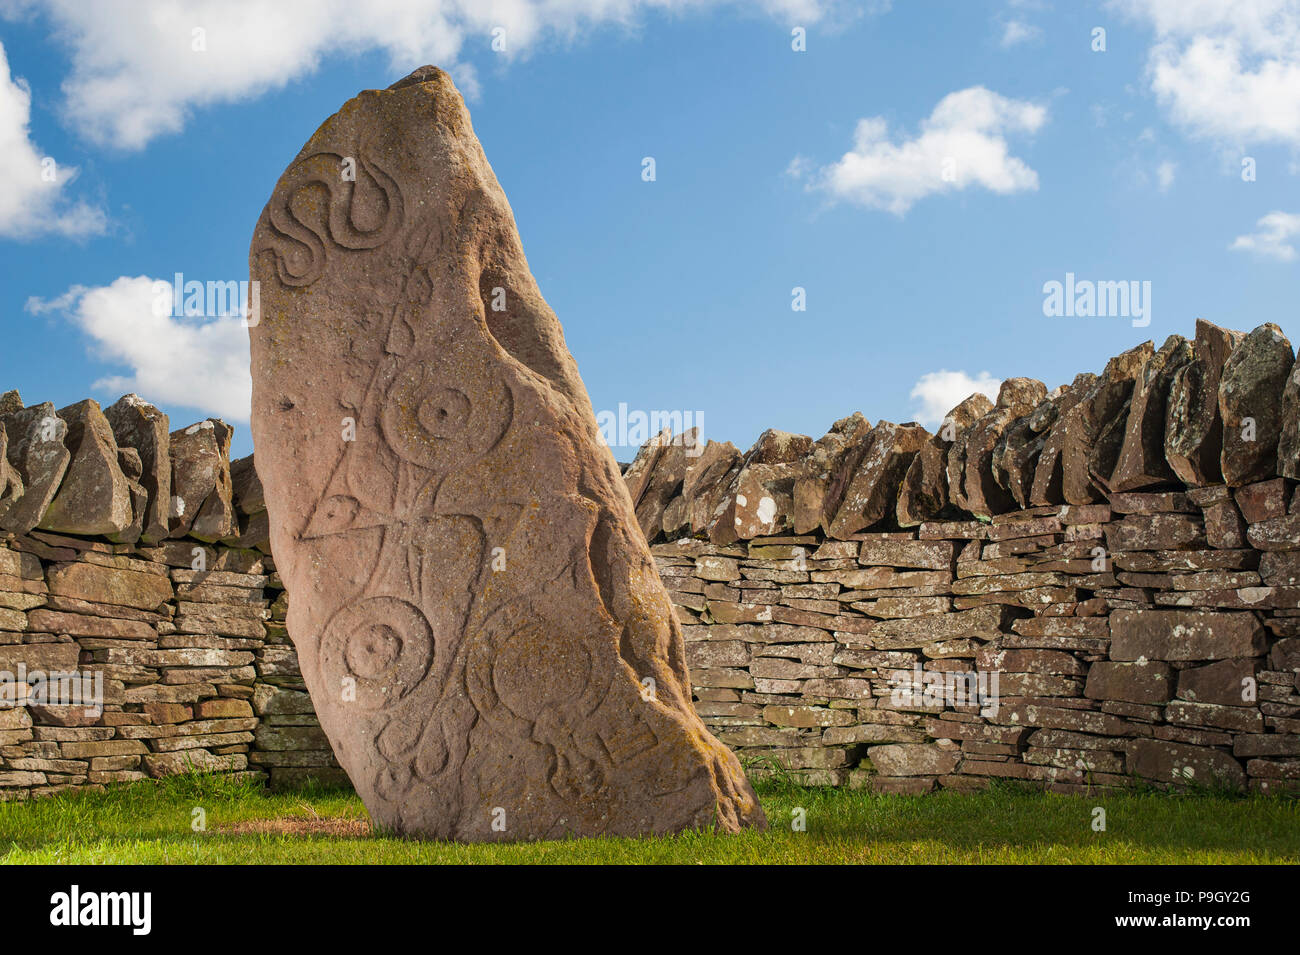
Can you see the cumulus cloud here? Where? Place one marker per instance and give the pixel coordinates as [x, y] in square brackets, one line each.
[196, 363]
[938, 392]
[1271, 238]
[34, 201]
[1225, 69]
[139, 68]
[961, 144]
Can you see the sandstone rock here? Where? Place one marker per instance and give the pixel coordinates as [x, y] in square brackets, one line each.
[1288, 444]
[872, 492]
[705, 481]
[1047, 487]
[909, 759]
[760, 499]
[1179, 764]
[1223, 683]
[139, 425]
[1093, 428]
[488, 704]
[923, 492]
[95, 497]
[1142, 460]
[11, 482]
[246, 486]
[823, 462]
[1250, 404]
[201, 504]
[10, 402]
[1147, 681]
[1184, 635]
[665, 481]
[1193, 424]
[38, 454]
[975, 488]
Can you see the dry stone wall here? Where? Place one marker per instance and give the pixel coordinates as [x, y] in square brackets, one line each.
[1083, 587]
[1087, 587]
[134, 564]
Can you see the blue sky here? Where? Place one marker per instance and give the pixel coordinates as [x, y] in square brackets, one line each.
[1116, 165]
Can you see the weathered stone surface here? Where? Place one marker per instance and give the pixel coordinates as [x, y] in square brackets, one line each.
[512, 695]
[972, 484]
[1142, 460]
[1224, 683]
[923, 493]
[821, 466]
[1288, 443]
[1250, 404]
[1147, 681]
[906, 759]
[39, 456]
[665, 481]
[705, 481]
[201, 490]
[1100, 424]
[1047, 487]
[11, 482]
[1179, 764]
[872, 492]
[760, 498]
[139, 425]
[1184, 635]
[1015, 459]
[246, 486]
[95, 496]
[1193, 424]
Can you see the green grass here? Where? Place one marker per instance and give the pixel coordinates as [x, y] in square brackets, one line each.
[151, 823]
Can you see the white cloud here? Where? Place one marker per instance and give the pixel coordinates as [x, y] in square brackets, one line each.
[1225, 69]
[961, 144]
[1165, 174]
[938, 392]
[1015, 32]
[1272, 237]
[194, 363]
[33, 201]
[136, 74]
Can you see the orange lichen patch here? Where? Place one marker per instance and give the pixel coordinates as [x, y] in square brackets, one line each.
[338, 828]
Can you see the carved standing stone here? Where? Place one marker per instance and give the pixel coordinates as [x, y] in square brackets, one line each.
[477, 614]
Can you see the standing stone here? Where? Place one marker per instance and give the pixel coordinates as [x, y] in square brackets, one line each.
[138, 424]
[95, 496]
[1141, 460]
[477, 614]
[1193, 425]
[38, 454]
[923, 492]
[1250, 404]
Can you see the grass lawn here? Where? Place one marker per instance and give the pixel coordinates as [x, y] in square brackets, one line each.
[151, 823]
